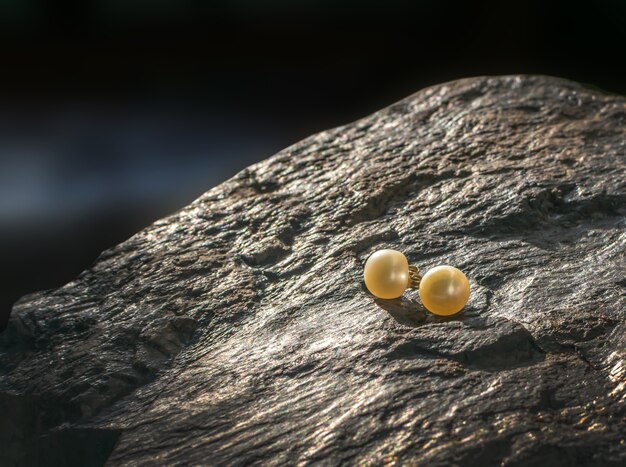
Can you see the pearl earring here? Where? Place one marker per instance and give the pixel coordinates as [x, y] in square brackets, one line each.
[444, 290]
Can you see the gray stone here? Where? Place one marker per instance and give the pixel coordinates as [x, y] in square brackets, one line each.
[238, 330]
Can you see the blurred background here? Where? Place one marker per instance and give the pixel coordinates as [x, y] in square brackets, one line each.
[114, 113]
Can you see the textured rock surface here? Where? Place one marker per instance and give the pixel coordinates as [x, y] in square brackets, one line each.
[238, 330]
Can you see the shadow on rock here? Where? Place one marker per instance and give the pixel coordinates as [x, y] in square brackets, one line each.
[411, 312]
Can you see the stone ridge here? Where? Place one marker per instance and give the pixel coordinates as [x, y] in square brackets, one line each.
[238, 330]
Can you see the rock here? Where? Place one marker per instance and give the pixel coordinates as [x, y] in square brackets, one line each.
[239, 331]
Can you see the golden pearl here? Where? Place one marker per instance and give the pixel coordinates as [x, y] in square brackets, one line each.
[386, 274]
[444, 290]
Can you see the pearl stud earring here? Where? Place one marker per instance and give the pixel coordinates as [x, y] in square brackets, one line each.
[444, 290]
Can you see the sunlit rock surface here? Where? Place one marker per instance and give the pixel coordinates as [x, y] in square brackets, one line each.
[238, 330]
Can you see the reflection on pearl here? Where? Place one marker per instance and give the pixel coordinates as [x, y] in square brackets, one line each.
[386, 274]
[444, 290]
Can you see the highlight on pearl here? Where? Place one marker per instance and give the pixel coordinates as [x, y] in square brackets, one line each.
[444, 290]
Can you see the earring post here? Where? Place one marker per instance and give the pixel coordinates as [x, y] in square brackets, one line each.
[414, 277]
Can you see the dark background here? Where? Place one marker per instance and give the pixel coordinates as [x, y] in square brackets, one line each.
[115, 113]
